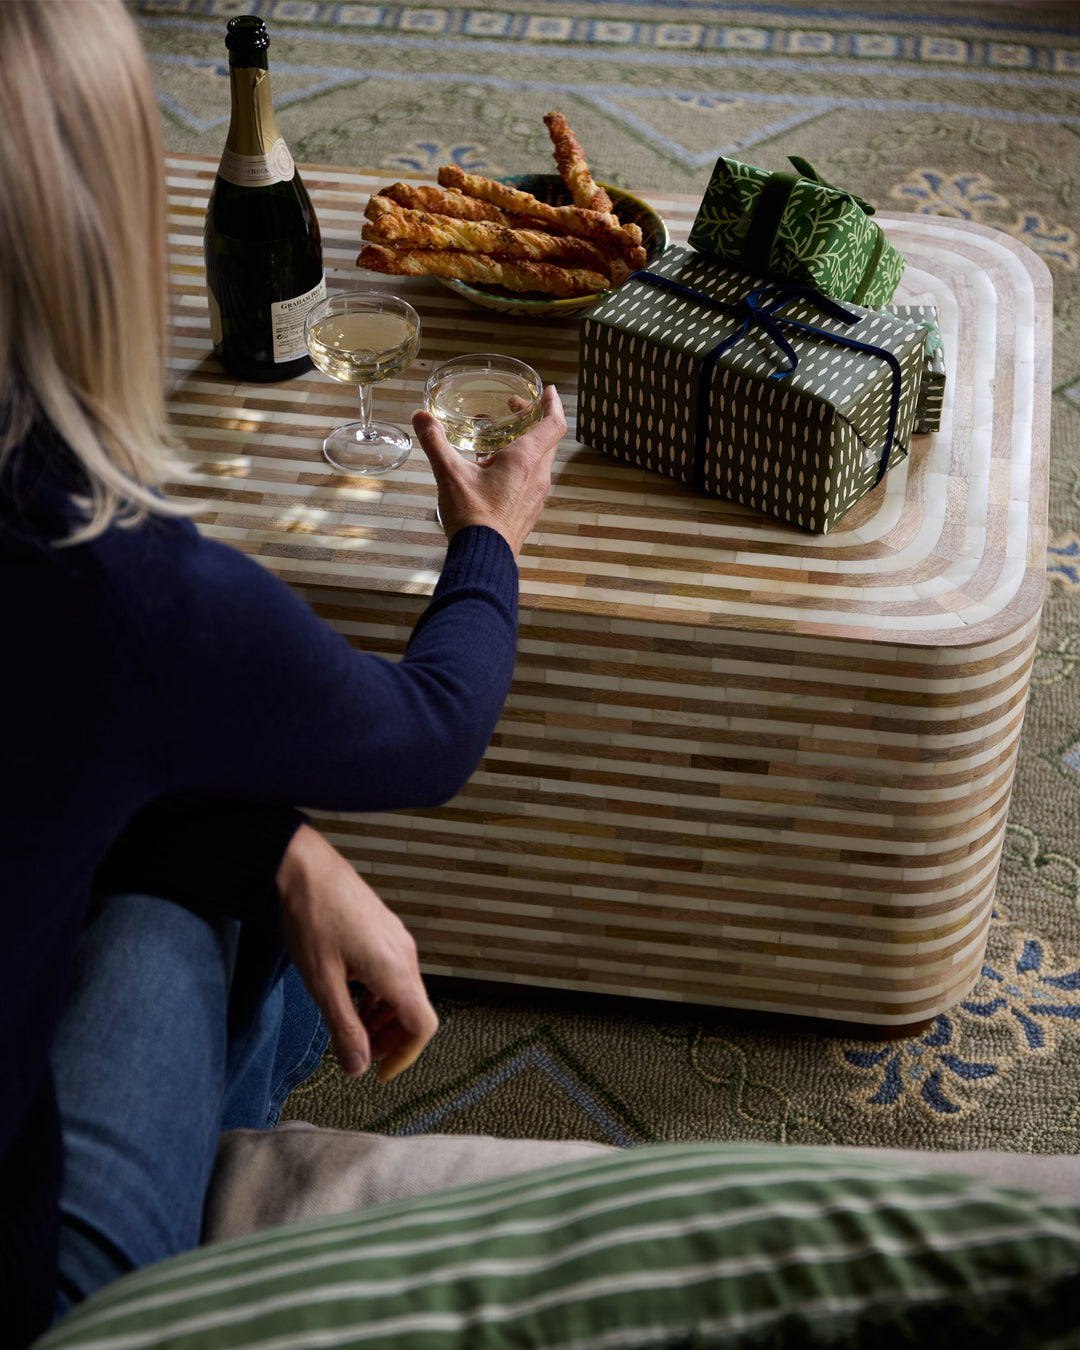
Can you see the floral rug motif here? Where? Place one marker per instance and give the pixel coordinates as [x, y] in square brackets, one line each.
[966, 110]
[1063, 560]
[1026, 991]
[971, 196]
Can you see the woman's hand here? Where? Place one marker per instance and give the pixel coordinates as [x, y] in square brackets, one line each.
[337, 929]
[506, 491]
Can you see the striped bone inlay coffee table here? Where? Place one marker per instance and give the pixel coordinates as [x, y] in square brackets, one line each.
[740, 765]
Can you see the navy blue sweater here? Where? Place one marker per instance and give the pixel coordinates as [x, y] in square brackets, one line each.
[168, 703]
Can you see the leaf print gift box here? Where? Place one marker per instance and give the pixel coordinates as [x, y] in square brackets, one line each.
[797, 226]
[763, 394]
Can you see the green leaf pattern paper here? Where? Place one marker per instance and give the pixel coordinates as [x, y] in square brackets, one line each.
[825, 238]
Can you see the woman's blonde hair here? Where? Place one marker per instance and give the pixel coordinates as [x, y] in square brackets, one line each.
[82, 250]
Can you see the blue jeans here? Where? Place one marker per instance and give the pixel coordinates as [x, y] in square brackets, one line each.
[176, 1027]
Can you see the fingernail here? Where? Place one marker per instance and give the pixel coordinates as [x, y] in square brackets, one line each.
[354, 1064]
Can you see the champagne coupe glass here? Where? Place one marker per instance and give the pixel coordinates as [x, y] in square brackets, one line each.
[483, 401]
[362, 337]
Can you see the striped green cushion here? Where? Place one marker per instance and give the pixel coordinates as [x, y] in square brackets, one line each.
[733, 1245]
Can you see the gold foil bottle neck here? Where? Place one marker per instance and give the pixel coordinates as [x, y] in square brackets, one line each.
[253, 128]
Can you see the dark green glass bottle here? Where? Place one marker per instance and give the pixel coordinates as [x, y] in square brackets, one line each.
[261, 242]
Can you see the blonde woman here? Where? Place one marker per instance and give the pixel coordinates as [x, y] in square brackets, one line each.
[168, 702]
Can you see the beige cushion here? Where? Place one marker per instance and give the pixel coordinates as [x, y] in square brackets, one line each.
[299, 1171]
[267, 1177]
[1053, 1174]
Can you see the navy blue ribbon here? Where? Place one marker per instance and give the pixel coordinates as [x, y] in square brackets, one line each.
[759, 310]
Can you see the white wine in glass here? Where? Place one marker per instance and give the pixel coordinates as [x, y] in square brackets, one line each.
[362, 338]
[483, 401]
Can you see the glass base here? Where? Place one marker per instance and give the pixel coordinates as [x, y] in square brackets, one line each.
[384, 447]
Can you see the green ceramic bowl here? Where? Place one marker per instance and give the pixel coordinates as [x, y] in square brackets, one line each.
[549, 187]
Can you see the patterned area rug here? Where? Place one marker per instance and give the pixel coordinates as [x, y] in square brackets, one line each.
[966, 110]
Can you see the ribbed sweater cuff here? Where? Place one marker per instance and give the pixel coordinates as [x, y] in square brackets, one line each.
[480, 556]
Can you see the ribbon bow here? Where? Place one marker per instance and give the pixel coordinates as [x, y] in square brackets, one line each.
[807, 170]
[766, 214]
[760, 309]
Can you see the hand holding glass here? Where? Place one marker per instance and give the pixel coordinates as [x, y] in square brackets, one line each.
[483, 401]
[361, 338]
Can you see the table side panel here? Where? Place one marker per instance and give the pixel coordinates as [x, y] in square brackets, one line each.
[736, 824]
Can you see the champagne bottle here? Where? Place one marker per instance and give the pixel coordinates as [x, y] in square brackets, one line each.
[261, 243]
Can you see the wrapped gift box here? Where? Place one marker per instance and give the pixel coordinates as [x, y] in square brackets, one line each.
[679, 373]
[796, 226]
[931, 398]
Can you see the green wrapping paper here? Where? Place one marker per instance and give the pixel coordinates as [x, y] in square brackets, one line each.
[804, 447]
[931, 398]
[796, 226]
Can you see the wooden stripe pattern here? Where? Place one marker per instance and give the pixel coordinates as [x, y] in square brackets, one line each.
[740, 765]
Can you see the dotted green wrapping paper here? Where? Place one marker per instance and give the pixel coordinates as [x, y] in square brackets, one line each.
[825, 238]
[931, 400]
[804, 447]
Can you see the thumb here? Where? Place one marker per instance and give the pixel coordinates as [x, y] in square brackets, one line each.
[350, 1040]
[441, 454]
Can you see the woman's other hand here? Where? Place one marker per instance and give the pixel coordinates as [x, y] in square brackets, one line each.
[336, 930]
[506, 491]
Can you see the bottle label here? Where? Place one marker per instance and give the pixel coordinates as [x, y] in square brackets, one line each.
[287, 321]
[258, 170]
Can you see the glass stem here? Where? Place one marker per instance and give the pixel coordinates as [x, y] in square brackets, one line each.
[366, 432]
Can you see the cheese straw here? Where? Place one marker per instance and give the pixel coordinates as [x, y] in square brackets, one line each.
[392, 224]
[480, 269]
[603, 226]
[573, 170]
